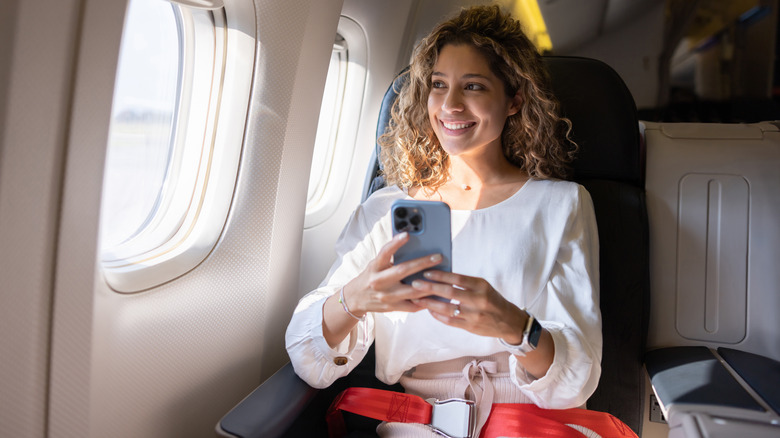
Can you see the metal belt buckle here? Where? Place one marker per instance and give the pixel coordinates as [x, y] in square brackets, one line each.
[453, 418]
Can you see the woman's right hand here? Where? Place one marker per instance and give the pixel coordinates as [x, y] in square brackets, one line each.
[377, 289]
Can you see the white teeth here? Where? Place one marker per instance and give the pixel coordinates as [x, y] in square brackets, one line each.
[456, 125]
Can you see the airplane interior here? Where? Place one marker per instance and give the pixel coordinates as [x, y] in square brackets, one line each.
[175, 174]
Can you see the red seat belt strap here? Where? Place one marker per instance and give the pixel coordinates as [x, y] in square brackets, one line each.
[522, 423]
[506, 419]
[377, 404]
[520, 419]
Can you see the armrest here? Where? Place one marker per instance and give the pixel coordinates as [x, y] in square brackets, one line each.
[270, 409]
[693, 376]
[761, 373]
[715, 393]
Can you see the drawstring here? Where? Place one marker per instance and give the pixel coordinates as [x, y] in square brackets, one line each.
[484, 393]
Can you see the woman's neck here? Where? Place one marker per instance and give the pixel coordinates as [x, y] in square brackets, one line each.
[475, 184]
[477, 173]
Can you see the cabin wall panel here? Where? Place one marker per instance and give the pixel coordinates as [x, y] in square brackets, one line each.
[8, 19]
[76, 276]
[37, 47]
[212, 335]
[170, 361]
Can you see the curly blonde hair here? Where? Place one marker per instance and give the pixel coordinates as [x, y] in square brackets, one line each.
[536, 139]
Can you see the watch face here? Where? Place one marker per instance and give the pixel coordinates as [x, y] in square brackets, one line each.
[535, 333]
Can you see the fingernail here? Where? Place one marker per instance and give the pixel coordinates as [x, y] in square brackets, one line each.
[401, 236]
[417, 284]
[436, 258]
[428, 274]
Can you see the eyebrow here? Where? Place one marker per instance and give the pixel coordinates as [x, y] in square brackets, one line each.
[466, 76]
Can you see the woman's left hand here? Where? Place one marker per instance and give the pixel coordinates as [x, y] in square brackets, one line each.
[477, 306]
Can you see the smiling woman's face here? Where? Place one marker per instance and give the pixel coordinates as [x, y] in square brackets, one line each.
[467, 105]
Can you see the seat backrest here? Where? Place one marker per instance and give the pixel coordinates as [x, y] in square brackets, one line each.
[610, 165]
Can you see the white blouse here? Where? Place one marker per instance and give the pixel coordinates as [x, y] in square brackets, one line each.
[538, 248]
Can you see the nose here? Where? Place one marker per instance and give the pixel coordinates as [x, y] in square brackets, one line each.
[453, 101]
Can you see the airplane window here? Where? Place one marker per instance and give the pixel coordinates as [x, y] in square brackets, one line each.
[338, 123]
[327, 128]
[180, 100]
[141, 132]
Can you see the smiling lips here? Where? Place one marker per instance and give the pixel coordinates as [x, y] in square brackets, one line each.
[455, 126]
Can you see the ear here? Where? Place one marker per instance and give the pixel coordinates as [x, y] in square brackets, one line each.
[515, 104]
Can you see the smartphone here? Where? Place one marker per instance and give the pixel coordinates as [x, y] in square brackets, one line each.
[428, 225]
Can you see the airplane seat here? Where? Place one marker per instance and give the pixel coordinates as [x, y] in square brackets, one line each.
[375, 179]
[610, 165]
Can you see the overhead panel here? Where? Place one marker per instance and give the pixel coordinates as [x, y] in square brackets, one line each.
[570, 23]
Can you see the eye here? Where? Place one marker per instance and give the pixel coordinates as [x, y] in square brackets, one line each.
[474, 87]
[437, 84]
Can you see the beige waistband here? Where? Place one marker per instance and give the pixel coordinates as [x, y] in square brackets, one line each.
[485, 380]
[443, 380]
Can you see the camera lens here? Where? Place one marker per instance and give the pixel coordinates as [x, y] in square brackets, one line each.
[401, 225]
[415, 220]
[400, 212]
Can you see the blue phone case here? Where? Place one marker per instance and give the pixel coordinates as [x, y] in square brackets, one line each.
[428, 224]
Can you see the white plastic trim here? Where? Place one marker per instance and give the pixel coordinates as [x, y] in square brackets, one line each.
[200, 4]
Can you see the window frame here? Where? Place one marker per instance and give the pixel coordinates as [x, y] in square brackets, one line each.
[198, 190]
[343, 132]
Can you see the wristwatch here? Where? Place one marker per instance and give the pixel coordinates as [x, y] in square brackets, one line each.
[531, 335]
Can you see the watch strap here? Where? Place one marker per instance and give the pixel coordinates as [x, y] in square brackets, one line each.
[531, 335]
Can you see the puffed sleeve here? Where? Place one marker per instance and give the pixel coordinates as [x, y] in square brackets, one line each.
[313, 360]
[569, 310]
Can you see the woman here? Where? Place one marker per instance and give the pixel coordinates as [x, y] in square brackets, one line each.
[477, 128]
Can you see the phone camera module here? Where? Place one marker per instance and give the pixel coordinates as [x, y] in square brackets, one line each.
[416, 221]
[407, 219]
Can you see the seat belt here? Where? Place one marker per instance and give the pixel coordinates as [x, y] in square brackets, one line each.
[377, 404]
[529, 420]
[506, 419]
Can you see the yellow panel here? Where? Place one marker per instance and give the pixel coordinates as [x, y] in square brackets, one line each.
[529, 14]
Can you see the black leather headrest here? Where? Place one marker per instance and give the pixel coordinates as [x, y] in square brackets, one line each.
[603, 116]
[602, 112]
